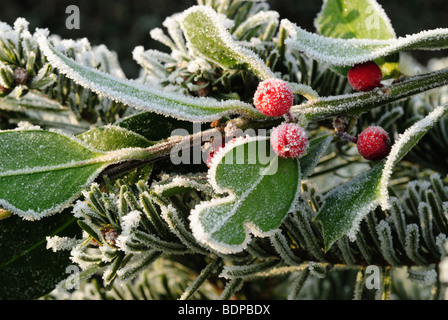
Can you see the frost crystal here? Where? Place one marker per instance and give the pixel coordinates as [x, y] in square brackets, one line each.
[348, 52]
[143, 97]
[130, 222]
[57, 243]
[400, 148]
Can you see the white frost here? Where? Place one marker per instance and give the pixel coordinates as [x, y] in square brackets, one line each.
[347, 52]
[57, 243]
[396, 152]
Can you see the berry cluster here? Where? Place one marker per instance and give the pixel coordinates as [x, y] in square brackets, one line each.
[274, 98]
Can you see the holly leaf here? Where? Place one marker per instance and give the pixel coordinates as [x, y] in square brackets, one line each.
[360, 19]
[206, 35]
[348, 52]
[258, 189]
[345, 206]
[42, 172]
[28, 270]
[112, 137]
[145, 97]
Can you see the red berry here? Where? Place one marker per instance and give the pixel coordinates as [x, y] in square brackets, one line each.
[289, 140]
[374, 143]
[274, 97]
[365, 76]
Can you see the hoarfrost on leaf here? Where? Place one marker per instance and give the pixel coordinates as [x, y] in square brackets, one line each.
[348, 52]
[206, 35]
[259, 193]
[144, 97]
[405, 142]
[57, 243]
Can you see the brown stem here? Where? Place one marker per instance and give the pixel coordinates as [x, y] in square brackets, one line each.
[162, 150]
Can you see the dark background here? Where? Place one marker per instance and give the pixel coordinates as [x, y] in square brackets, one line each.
[123, 24]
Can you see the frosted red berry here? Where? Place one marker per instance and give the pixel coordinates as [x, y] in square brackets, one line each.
[374, 143]
[365, 76]
[289, 140]
[273, 97]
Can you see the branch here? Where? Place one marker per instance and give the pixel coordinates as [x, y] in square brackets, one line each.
[356, 103]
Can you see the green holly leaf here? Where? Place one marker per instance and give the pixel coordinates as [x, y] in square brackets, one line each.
[360, 19]
[112, 137]
[206, 34]
[258, 189]
[28, 270]
[145, 97]
[42, 172]
[348, 52]
[345, 206]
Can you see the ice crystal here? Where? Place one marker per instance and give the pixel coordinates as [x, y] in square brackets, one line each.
[56, 243]
[399, 148]
[348, 52]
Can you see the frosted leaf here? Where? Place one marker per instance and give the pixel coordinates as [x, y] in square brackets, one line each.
[412, 244]
[207, 36]
[362, 19]
[57, 243]
[158, 35]
[144, 97]
[259, 193]
[345, 206]
[173, 27]
[53, 170]
[174, 184]
[403, 145]
[136, 264]
[422, 276]
[348, 52]
[256, 20]
[384, 232]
